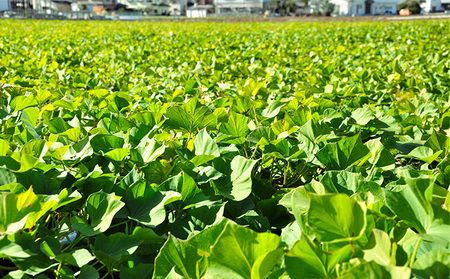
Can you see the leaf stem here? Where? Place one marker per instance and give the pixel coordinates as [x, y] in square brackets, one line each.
[2, 267]
[271, 171]
[254, 152]
[118, 224]
[285, 173]
[100, 268]
[75, 242]
[353, 249]
[58, 271]
[416, 249]
[245, 151]
[106, 275]
[188, 139]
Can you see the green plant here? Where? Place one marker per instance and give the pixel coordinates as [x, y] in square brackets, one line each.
[274, 150]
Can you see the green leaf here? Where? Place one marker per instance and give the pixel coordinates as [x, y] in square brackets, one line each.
[118, 154]
[58, 125]
[78, 151]
[15, 210]
[443, 178]
[305, 257]
[22, 102]
[424, 153]
[296, 201]
[7, 176]
[344, 153]
[147, 151]
[191, 194]
[381, 157]
[29, 118]
[372, 270]
[291, 234]
[301, 116]
[88, 272]
[207, 174]
[341, 182]
[438, 141]
[411, 202]
[336, 217]
[434, 264]
[196, 219]
[37, 262]
[187, 258]
[101, 208]
[190, 116]
[9, 248]
[4, 148]
[316, 132]
[362, 116]
[237, 185]
[112, 249]
[146, 205]
[378, 249]
[140, 270]
[180, 255]
[31, 154]
[236, 128]
[154, 172]
[205, 145]
[261, 136]
[265, 264]
[79, 257]
[240, 253]
[106, 143]
[272, 110]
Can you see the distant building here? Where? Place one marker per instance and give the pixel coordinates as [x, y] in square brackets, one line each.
[238, 6]
[15, 5]
[198, 10]
[377, 7]
[365, 7]
[381, 7]
[175, 8]
[431, 6]
[153, 7]
[92, 5]
[4, 5]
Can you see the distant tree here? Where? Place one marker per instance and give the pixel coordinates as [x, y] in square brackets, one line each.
[401, 6]
[323, 8]
[412, 6]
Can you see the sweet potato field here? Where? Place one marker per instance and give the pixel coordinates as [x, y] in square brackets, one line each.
[224, 150]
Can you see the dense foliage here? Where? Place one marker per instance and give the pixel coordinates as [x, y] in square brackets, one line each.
[412, 6]
[224, 150]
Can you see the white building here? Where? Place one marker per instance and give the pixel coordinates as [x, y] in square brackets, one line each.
[445, 5]
[238, 6]
[365, 7]
[348, 7]
[155, 7]
[430, 6]
[383, 7]
[376, 7]
[175, 8]
[4, 5]
[37, 5]
[197, 10]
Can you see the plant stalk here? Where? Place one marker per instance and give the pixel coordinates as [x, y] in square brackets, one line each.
[416, 249]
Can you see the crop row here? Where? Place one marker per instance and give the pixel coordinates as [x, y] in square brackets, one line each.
[207, 150]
